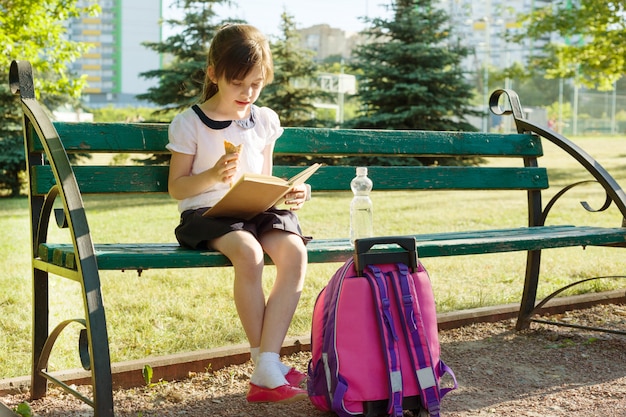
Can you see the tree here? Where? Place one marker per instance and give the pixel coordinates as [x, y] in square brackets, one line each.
[33, 30]
[412, 77]
[592, 46]
[181, 81]
[292, 64]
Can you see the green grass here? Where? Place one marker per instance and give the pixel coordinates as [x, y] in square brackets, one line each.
[168, 311]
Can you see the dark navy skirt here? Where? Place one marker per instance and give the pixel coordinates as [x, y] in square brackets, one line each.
[196, 231]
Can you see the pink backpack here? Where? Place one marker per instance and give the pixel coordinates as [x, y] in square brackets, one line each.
[374, 339]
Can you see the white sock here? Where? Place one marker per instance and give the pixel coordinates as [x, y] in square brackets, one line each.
[284, 368]
[254, 355]
[267, 372]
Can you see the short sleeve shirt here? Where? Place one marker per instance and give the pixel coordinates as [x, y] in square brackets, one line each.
[193, 133]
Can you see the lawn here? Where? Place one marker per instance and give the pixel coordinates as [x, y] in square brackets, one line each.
[168, 311]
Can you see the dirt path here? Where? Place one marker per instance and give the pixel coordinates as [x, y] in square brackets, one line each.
[547, 371]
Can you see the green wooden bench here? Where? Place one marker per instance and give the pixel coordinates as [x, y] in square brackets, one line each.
[52, 177]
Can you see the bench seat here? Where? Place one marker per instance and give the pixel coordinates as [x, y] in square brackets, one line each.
[133, 256]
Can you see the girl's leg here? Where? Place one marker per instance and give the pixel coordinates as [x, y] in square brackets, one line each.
[246, 255]
[268, 383]
[290, 257]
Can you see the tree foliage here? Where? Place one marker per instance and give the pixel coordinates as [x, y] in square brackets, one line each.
[592, 45]
[33, 30]
[180, 81]
[412, 76]
[292, 63]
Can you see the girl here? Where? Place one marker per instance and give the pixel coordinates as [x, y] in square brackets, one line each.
[239, 66]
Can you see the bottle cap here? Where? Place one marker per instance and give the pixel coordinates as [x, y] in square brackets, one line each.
[361, 171]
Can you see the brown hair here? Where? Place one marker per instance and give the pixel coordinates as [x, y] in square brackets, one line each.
[234, 51]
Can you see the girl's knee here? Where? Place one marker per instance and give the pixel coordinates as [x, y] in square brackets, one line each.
[282, 243]
[299, 249]
[249, 252]
[241, 248]
[292, 259]
[292, 252]
[250, 246]
[248, 263]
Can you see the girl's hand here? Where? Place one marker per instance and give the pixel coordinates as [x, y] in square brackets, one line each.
[296, 197]
[181, 184]
[226, 167]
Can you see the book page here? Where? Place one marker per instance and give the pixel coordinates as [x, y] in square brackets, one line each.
[301, 177]
[261, 178]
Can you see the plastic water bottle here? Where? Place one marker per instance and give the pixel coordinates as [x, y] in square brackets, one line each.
[361, 208]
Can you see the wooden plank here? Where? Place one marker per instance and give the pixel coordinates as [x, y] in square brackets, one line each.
[153, 255]
[338, 178]
[153, 178]
[405, 142]
[152, 138]
[107, 179]
[113, 137]
[45, 252]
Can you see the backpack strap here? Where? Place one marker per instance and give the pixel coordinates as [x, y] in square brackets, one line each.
[336, 386]
[445, 369]
[389, 338]
[417, 340]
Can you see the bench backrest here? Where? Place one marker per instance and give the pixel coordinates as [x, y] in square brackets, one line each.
[143, 138]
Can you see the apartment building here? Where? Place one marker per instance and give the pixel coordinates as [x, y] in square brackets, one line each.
[478, 24]
[117, 57]
[329, 42]
[483, 26]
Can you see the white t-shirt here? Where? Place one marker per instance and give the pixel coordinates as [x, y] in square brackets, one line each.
[188, 134]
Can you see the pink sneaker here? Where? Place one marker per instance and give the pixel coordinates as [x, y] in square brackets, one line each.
[282, 394]
[295, 377]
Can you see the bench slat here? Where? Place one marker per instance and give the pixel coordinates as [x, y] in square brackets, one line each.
[161, 255]
[153, 179]
[403, 142]
[107, 179]
[112, 137]
[337, 178]
[152, 138]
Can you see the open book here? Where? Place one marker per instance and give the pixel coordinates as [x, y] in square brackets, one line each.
[256, 193]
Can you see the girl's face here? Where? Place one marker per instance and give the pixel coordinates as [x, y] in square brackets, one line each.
[236, 97]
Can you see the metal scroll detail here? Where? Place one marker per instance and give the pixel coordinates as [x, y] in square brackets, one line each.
[21, 79]
[586, 206]
[510, 99]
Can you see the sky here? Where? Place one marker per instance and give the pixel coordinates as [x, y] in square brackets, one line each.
[265, 14]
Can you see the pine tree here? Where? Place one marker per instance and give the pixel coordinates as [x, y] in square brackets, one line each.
[292, 64]
[412, 76]
[181, 80]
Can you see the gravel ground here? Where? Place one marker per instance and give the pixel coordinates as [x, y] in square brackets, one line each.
[547, 371]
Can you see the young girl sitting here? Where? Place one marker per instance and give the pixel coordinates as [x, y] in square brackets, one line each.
[201, 171]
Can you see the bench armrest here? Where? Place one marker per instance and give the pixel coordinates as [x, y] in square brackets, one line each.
[613, 190]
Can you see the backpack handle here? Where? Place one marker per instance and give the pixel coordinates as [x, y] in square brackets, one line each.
[364, 255]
